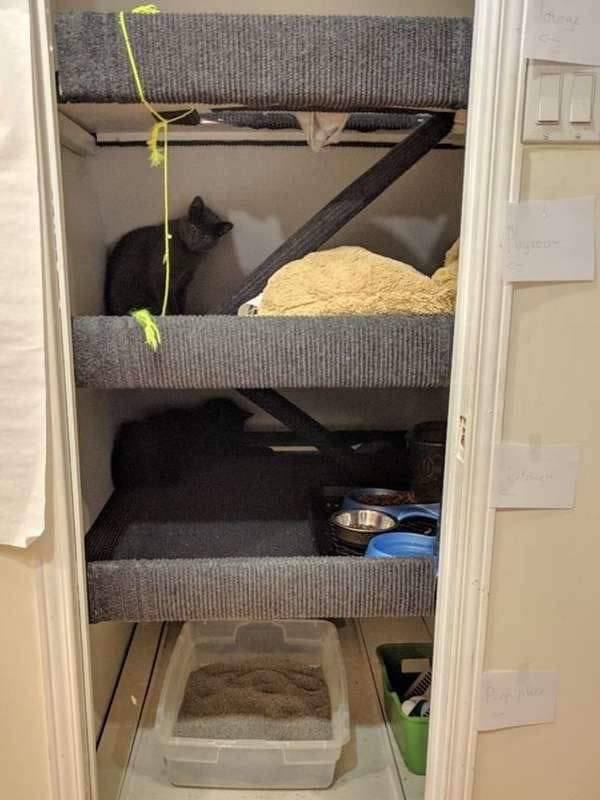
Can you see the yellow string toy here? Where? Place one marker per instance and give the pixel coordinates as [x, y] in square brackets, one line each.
[146, 321]
[159, 156]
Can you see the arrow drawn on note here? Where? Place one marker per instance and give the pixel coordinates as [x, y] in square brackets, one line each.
[545, 38]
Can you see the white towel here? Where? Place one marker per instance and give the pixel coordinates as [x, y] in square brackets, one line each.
[321, 128]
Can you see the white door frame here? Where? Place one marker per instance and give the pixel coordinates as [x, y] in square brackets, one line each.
[476, 404]
[62, 590]
[492, 177]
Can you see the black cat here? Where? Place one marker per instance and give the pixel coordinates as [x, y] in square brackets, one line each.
[135, 273]
[176, 445]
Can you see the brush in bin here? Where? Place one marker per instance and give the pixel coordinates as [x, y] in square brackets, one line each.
[416, 699]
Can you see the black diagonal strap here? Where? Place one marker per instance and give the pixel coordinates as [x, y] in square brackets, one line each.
[294, 418]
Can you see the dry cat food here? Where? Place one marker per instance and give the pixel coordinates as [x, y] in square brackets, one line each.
[259, 698]
[391, 498]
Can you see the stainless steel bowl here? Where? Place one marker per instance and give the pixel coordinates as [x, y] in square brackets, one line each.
[358, 526]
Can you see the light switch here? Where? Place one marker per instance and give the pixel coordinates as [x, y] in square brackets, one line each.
[582, 95]
[549, 98]
[562, 103]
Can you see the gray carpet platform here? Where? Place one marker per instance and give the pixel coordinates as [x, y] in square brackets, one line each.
[221, 352]
[224, 547]
[337, 63]
[282, 120]
[260, 588]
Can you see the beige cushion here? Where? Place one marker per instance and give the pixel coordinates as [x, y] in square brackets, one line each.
[352, 280]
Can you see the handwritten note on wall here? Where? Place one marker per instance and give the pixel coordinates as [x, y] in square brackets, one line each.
[550, 241]
[527, 476]
[514, 698]
[563, 30]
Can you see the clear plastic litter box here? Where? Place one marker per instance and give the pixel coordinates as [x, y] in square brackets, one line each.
[253, 763]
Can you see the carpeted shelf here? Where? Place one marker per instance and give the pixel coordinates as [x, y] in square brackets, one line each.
[221, 352]
[283, 120]
[148, 590]
[262, 61]
[240, 541]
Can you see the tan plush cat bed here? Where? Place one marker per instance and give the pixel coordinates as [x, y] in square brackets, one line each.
[352, 280]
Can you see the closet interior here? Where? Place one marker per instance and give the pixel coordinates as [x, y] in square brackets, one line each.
[228, 476]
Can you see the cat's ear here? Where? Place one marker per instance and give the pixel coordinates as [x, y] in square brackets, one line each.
[197, 208]
[223, 227]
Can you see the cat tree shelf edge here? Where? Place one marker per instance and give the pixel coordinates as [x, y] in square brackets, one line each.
[220, 352]
[331, 62]
[259, 588]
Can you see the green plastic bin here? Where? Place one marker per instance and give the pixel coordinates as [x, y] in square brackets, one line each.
[410, 732]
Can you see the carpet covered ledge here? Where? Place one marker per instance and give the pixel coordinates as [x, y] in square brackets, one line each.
[222, 352]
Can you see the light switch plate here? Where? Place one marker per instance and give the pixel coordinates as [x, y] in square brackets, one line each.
[573, 81]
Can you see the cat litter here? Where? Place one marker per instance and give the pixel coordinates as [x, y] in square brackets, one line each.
[260, 698]
[254, 705]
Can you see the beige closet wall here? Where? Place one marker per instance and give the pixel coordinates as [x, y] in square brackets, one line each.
[545, 594]
[24, 773]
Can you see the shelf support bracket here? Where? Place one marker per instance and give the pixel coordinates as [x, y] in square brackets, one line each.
[348, 203]
[298, 421]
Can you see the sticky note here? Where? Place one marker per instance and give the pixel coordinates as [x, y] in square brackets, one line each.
[563, 30]
[511, 698]
[527, 476]
[550, 241]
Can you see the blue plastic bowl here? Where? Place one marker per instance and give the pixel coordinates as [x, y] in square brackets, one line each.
[401, 544]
